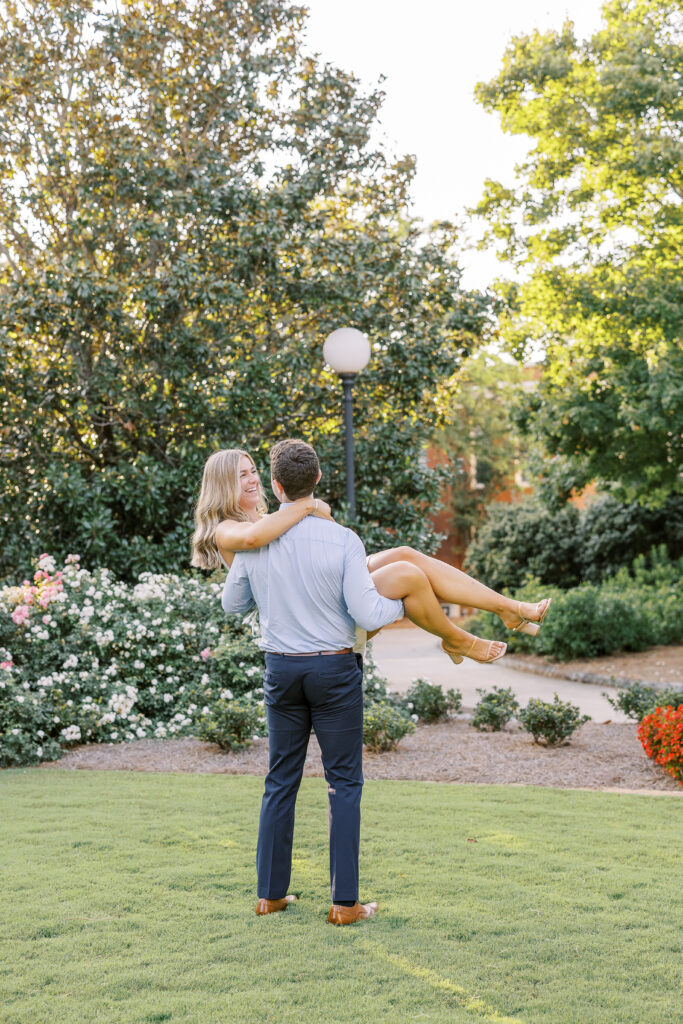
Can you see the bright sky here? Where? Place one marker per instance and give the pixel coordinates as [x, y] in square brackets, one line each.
[433, 52]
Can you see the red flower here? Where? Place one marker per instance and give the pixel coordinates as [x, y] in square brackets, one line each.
[661, 734]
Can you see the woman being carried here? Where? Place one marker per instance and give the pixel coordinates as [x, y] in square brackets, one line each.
[231, 515]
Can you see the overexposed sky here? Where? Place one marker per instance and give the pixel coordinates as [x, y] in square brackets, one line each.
[433, 52]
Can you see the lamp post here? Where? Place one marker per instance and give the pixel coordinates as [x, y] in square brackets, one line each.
[347, 351]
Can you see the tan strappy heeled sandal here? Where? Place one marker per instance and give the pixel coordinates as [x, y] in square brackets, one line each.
[488, 660]
[530, 626]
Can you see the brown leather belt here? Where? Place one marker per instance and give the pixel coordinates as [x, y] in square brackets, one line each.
[310, 654]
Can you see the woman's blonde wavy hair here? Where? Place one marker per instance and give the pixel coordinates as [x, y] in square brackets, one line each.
[218, 500]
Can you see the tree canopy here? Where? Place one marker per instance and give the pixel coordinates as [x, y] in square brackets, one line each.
[189, 203]
[480, 438]
[594, 225]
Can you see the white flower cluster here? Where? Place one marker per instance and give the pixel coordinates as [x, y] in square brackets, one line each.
[122, 704]
[77, 661]
[148, 592]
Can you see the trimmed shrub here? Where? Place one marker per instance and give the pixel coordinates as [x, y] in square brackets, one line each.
[586, 622]
[233, 723]
[495, 709]
[428, 701]
[563, 547]
[661, 734]
[524, 539]
[611, 533]
[551, 724]
[637, 699]
[634, 610]
[383, 726]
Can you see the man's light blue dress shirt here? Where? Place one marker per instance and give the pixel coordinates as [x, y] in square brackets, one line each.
[311, 586]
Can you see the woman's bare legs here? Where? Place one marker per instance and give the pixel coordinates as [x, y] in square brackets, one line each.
[451, 585]
[407, 582]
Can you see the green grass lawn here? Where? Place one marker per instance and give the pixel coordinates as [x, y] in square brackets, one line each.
[129, 898]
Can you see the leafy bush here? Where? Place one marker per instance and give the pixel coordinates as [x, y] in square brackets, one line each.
[638, 700]
[428, 701]
[563, 547]
[611, 533]
[26, 730]
[551, 723]
[384, 725]
[525, 539]
[85, 657]
[374, 683]
[233, 723]
[115, 476]
[635, 609]
[653, 585]
[661, 734]
[495, 708]
[587, 621]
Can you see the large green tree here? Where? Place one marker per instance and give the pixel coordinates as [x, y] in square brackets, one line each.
[594, 226]
[480, 438]
[189, 203]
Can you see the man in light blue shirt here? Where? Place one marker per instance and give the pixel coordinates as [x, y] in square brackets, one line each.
[311, 586]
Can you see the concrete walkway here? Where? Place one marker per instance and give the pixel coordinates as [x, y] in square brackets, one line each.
[404, 654]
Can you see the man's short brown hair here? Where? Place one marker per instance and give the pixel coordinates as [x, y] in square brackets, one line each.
[295, 466]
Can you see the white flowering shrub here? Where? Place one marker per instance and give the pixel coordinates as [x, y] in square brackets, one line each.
[374, 683]
[86, 658]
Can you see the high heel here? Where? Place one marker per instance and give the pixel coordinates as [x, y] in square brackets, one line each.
[530, 626]
[456, 658]
[488, 660]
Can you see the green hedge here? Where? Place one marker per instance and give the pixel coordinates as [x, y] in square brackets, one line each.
[635, 609]
[568, 546]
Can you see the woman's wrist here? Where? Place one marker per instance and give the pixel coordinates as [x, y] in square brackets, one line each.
[306, 506]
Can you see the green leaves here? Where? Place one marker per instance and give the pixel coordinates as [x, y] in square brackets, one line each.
[198, 206]
[596, 219]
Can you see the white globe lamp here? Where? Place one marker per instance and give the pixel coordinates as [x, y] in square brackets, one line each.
[347, 352]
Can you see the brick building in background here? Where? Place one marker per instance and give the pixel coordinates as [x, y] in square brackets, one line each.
[454, 546]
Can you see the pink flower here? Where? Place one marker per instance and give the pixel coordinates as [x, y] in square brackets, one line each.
[6, 665]
[20, 614]
[206, 653]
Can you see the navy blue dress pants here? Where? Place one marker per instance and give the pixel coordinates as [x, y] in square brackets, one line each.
[323, 691]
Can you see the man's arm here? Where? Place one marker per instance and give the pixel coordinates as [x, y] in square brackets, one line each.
[237, 597]
[368, 608]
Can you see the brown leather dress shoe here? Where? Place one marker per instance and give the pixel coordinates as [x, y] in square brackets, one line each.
[271, 906]
[347, 915]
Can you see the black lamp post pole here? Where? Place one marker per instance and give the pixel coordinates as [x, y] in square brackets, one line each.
[347, 382]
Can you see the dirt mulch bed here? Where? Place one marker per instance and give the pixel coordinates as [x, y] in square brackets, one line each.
[607, 756]
[662, 665]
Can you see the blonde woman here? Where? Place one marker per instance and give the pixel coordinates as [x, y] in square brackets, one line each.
[231, 515]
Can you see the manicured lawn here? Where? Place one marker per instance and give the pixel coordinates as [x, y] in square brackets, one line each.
[129, 898]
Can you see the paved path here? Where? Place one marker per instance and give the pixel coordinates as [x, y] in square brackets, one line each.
[404, 654]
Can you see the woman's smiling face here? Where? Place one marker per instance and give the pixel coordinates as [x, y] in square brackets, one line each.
[250, 490]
